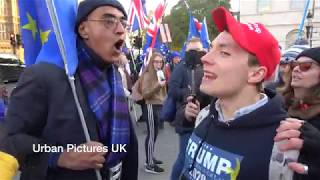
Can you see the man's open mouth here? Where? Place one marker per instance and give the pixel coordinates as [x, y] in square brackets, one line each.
[209, 75]
[119, 44]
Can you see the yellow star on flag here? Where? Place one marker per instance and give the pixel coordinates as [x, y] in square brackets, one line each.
[234, 172]
[32, 25]
[44, 36]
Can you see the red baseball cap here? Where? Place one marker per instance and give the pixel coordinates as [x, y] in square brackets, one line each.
[253, 37]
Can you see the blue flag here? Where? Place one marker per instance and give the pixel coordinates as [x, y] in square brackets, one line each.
[193, 32]
[165, 51]
[29, 28]
[204, 34]
[40, 37]
[66, 13]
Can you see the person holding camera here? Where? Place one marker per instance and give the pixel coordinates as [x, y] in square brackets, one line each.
[185, 80]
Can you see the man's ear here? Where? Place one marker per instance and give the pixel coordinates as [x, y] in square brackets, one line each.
[83, 31]
[257, 74]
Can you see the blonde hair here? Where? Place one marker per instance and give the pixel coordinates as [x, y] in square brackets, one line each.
[153, 56]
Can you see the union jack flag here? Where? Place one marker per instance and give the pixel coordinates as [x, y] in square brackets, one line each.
[137, 18]
[153, 32]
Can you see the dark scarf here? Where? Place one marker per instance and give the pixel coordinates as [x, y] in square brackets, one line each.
[107, 101]
[304, 111]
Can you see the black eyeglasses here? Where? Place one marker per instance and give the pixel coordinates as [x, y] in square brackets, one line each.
[303, 66]
[111, 22]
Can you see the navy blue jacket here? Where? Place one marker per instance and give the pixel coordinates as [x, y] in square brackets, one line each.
[239, 149]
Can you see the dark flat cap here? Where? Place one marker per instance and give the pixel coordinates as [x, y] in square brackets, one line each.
[313, 53]
[87, 6]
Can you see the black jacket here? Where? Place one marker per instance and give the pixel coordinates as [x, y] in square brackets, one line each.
[310, 152]
[42, 110]
[179, 89]
[240, 149]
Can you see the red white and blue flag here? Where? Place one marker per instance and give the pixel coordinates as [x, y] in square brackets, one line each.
[137, 18]
[153, 32]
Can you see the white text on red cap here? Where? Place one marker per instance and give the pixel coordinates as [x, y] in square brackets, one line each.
[254, 27]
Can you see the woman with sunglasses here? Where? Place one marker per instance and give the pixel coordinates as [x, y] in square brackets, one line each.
[284, 70]
[302, 130]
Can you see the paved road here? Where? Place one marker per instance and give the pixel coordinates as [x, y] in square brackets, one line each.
[166, 150]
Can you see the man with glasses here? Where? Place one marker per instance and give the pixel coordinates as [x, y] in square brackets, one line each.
[43, 112]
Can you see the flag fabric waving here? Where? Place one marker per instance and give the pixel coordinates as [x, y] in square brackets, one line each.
[194, 26]
[137, 18]
[39, 36]
[204, 36]
[157, 18]
[65, 18]
[30, 31]
[153, 34]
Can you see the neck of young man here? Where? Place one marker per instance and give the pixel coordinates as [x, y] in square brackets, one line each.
[229, 105]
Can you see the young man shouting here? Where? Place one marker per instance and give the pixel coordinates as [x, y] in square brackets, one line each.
[235, 140]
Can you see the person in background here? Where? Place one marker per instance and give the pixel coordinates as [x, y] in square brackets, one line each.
[43, 112]
[3, 101]
[153, 88]
[125, 74]
[235, 139]
[176, 58]
[283, 72]
[179, 88]
[302, 130]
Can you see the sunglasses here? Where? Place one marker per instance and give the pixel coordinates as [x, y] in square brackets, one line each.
[303, 66]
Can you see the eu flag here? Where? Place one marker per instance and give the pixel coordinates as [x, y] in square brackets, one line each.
[29, 28]
[40, 34]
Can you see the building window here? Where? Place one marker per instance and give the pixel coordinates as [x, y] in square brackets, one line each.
[2, 32]
[6, 8]
[264, 5]
[291, 37]
[2, 7]
[297, 4]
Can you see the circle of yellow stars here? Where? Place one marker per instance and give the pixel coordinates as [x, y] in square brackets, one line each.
[32, 26]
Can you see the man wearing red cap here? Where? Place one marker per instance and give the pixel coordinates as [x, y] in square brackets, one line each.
[235, 139]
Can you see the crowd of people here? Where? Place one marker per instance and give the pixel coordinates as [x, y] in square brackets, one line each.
[231, 120]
